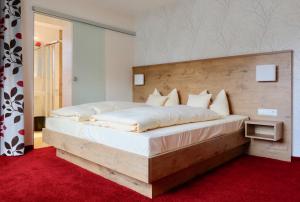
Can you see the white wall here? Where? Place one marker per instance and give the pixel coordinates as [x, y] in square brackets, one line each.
[195, 29]
[119, 49]
[82, 9]
[46, 34]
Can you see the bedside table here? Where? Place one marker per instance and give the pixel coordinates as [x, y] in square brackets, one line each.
[264, 130]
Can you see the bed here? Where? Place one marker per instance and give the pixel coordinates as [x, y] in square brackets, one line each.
[158, 160]
[151, 162]
[150, 143]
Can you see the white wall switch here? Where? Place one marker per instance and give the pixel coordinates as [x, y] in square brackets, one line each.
[267, 112]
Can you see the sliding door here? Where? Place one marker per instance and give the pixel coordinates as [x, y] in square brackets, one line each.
[88, 64]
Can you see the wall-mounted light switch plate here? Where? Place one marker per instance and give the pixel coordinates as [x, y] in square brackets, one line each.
[267, 112]
[266, 73]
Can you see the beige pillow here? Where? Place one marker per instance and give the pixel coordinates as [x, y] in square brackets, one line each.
[220, 104]
[199, 100]
[173, 99]
[156, 100]
[156, 92]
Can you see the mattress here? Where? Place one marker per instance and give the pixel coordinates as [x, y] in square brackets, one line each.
[152, 142]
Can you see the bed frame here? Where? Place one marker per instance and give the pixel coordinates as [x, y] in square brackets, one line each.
[148, 176]
[157, 174]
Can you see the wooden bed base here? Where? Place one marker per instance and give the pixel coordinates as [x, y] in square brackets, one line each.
[148, 176]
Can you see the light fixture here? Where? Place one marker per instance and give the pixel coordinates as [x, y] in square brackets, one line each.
[139, 79]
[266, 72]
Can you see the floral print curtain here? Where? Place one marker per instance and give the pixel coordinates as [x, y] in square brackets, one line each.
[11, 80]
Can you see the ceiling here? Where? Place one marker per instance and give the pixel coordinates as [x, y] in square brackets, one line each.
[132, 7]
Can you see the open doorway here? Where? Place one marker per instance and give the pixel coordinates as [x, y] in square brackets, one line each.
[69, 66]
[50, 39]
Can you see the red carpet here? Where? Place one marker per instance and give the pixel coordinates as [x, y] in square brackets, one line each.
[40, 176]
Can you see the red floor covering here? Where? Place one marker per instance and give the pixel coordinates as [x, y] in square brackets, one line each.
[41, 176]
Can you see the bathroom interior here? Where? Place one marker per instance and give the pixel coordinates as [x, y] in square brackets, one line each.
[48, 50]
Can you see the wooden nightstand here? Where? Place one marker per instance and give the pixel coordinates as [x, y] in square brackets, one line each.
[264, 130]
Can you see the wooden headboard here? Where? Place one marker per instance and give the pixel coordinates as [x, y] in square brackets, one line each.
[235, 74]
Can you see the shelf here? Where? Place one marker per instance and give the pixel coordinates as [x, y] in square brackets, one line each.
[264, 130]
[261, 136]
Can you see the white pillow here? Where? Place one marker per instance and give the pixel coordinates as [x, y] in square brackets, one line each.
[199, 100]
[220, 104]
[156, 92]
[173, 99]
[155, 100]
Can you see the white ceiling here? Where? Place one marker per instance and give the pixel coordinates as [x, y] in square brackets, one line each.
[132, 7]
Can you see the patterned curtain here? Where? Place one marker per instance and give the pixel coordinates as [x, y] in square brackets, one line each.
[11, 80]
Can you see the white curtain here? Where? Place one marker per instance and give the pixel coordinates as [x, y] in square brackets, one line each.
[46, 77]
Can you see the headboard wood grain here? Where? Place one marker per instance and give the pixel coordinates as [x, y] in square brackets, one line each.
[235, 74]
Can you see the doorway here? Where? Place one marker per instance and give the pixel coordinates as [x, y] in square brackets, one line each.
[69, 64]
[48, 71]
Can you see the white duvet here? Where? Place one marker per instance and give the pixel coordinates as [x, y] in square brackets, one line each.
[146, 118]
[85, 111]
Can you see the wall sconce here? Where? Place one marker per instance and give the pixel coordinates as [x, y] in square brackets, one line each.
[139, 79]
[266, 72]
